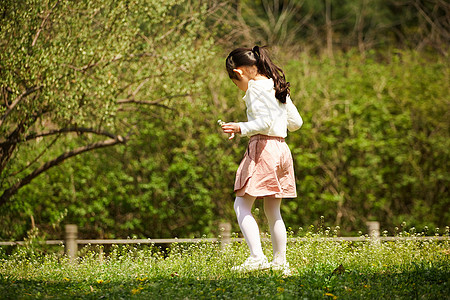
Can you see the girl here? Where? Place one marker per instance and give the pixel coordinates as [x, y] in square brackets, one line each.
[266, 170]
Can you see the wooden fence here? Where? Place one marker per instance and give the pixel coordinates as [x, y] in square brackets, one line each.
[71, 240]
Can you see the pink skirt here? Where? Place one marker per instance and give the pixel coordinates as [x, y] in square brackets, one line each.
[266, 170]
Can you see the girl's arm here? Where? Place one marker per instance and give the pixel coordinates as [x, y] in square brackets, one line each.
[294, 119]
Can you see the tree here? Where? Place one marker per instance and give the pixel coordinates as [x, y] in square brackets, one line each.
[330, 25]
[74, 73]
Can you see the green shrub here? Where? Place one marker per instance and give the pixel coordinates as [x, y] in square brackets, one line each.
[374, 146]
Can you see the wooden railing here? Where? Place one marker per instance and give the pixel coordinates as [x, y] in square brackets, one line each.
[71, 240]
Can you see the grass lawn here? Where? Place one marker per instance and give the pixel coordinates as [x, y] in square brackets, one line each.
[385, 270]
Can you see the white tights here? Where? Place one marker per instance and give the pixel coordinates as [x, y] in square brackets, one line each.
[250, 230]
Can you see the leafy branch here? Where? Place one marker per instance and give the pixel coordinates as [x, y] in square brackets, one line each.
[43, 23]
[58, 131]
[52, 163]
[17, 100]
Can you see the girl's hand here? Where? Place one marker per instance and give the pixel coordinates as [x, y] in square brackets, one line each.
[231, 128]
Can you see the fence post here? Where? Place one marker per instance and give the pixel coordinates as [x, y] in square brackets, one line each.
[374, 229]
[225, 233]
[71, 240]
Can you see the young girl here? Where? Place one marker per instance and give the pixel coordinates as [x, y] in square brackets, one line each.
[266, 170]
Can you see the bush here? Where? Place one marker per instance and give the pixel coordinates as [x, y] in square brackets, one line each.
[374, 145]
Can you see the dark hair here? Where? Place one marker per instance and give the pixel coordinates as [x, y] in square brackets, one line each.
[259, 57]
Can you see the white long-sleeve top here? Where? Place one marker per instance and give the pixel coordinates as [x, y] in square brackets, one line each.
[266, 114]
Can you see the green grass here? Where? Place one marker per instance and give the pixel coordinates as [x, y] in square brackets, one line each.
[395, 270]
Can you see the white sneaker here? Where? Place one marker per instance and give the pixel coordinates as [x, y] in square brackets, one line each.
[252, 264]
[281, 267]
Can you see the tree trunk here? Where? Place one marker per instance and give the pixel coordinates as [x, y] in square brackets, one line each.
[329, 29]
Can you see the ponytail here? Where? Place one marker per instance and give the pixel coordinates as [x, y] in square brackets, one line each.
[259, 57]
[267, 68]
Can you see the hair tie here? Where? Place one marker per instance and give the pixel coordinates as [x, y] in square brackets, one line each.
[255, 51]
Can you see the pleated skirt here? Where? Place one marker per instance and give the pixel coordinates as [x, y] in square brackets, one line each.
[267, 169]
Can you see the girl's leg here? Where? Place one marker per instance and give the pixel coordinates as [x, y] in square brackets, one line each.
[277, 229]
[248, 225]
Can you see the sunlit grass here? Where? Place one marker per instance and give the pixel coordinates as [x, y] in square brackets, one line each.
[322, 269]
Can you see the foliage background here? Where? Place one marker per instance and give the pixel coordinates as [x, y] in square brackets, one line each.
[374, 145]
